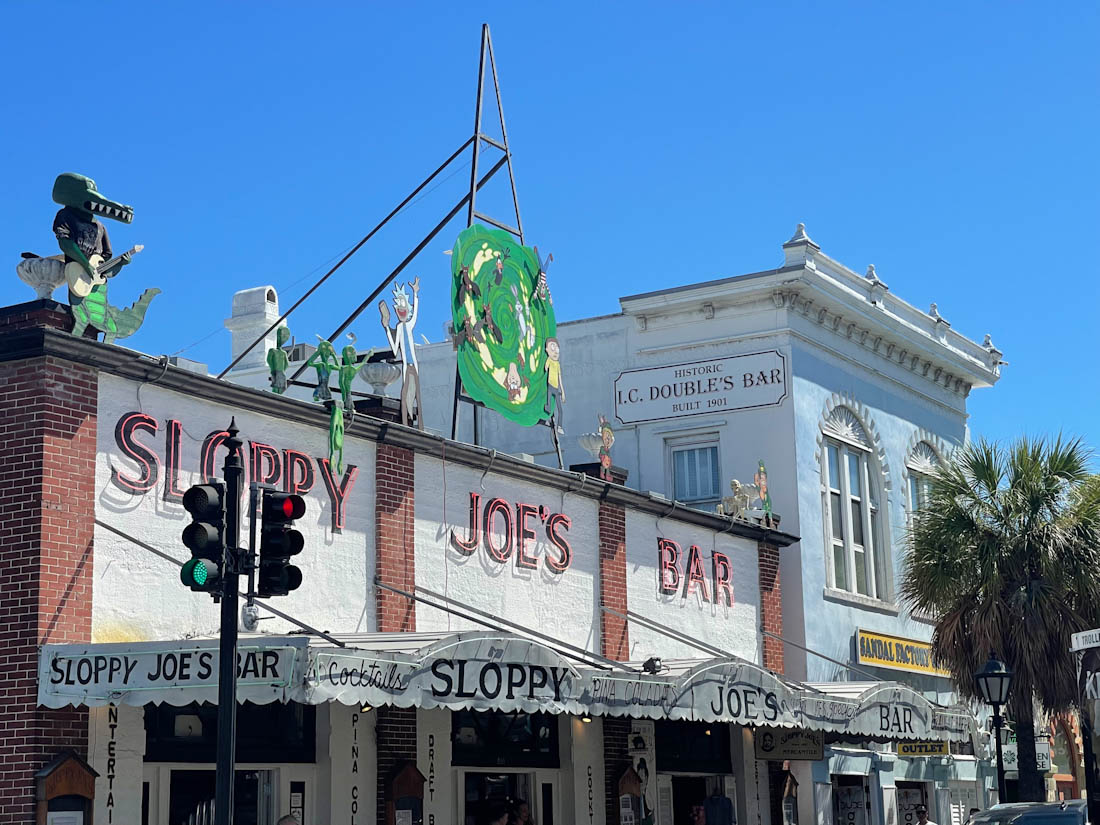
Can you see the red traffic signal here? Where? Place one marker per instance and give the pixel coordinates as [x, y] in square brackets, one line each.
[278, 542]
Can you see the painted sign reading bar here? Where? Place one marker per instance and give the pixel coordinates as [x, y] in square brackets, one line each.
[739, 382]
[923, 749]
[896, 653]
[779, 745]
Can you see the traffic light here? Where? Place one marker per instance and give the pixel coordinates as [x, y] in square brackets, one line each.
[278, 542]
[204, 537]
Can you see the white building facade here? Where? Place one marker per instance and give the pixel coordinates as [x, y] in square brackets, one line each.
[848, 396]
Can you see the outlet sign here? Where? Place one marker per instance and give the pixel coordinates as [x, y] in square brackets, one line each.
[739, 382]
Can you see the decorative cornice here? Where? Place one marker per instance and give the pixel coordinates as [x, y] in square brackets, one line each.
[894, 351]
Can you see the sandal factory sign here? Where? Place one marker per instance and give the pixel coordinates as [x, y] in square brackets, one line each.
[739, 382]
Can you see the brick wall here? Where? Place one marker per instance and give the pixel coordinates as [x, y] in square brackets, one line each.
[616, 760]
[394, 531]
[614, 635]
[47, 511]
[771, 606]
[396, 736]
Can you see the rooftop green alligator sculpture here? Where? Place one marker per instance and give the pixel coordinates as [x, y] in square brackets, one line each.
[87, 259]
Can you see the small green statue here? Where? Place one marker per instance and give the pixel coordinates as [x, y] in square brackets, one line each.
[324, 361]
[349, 366]
[335, 436]
[88, 258]
[278, 361]
[763, 497]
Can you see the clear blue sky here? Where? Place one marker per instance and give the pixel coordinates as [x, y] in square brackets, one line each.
[951, 144]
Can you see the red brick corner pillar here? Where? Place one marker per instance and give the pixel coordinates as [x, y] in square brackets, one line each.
[395, 528]
[395, 535]
[614, 634]
[47, 515]
[771, 606]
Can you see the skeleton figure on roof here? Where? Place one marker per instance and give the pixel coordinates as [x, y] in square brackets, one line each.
[403, 345]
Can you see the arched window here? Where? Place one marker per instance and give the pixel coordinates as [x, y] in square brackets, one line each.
[850, 496]
[921, 464]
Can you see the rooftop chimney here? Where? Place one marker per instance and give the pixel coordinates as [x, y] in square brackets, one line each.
[254, 310]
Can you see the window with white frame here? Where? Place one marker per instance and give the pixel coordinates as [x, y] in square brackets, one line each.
[922, 463]
[695, 473]
[857, 559]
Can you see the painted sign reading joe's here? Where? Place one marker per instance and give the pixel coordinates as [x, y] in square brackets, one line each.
[504, 327]
[757, 379]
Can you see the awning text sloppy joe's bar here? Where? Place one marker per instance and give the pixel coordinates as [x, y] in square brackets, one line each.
[486, 671]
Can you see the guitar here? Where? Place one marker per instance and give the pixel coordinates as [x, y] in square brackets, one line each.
[80, 283]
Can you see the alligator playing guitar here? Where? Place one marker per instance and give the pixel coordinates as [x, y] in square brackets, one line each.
[85, 245]
[81, 283]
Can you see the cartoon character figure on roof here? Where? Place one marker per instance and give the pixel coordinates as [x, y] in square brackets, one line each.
[86, 262]
[542, 288]
[278, 361]
[403, 346]
[555, 388]
[515, 382]
[763, 497]
[607, 439]
[324, 361]
[349, 366]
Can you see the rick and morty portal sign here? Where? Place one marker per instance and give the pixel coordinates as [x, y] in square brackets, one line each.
[505, 331]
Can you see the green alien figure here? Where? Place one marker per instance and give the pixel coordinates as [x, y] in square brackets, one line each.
[278, 361]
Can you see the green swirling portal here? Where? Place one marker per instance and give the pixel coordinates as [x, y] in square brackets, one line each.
[501, 323]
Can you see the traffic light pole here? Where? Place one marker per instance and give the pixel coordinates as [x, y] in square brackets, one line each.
[233, 472]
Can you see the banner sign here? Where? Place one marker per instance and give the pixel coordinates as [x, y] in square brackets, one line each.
[923, 748]
[174, 672]
[780, 745]
[490, 671]
[740, 382]
[479, 671]
[896, 653]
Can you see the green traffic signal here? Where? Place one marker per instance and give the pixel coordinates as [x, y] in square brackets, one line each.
[200, 574]
[204, 537]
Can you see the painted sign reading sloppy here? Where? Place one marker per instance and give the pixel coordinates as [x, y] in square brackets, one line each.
[740, 382]
[895, 653]
[288, 468]
[922, 749]
[778, 745]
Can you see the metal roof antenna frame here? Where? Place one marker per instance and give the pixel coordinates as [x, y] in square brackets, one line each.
[472, 213]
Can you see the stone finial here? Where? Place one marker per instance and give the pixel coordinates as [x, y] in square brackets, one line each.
[934, 312]
[800, 249]
[878, 286]
[800, 235]
[987, 342]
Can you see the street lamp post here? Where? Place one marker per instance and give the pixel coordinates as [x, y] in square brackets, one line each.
[994, 681]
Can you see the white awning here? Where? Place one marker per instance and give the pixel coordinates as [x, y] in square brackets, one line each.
[486, 670]
[177, 672]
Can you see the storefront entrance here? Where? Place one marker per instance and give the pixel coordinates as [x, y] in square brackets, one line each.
[910, 795]
[852, 800]
[506, 758]
[191, 797]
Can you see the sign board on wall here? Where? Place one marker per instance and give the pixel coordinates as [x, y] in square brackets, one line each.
[896, 653]
[740, 382]
[779, 745]
[1010, 752]
[923, 748]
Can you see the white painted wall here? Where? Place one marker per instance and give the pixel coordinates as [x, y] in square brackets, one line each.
[562, 605]
[116, 748]
[138, 596]
[353, 779]
[433, 760]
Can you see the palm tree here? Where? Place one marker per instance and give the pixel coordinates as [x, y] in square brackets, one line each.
[1006, 557]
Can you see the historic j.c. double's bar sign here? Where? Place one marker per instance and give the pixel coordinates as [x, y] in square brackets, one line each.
[739, 382]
